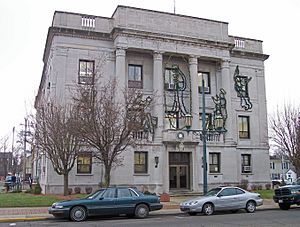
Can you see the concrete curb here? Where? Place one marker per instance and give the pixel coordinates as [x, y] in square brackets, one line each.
[172, 211]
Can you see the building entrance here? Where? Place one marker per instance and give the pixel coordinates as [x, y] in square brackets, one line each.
[179, 169]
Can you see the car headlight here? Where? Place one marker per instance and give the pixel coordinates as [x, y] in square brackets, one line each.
[56, 206]
[194, 202]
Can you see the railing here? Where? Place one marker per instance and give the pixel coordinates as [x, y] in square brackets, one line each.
[239, 43]
[88, 22]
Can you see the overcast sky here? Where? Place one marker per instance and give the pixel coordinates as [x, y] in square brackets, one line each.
[24, 25]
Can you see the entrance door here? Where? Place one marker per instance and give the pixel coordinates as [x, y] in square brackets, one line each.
[179, 177]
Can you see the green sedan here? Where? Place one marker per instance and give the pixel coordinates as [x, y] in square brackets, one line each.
[108, 201]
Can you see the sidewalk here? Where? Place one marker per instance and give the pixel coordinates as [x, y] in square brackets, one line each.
[41, 213]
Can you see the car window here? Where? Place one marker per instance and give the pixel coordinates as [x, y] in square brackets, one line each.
[133, 193]
[95, 194]
[213, 192]
[228, 192]
[109, 193]
[239, 191]
[124, 192]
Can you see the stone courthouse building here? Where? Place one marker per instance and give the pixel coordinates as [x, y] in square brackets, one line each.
[192, 68]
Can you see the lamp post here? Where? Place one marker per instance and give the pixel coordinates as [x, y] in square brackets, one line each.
[204, 140]
[188, 124]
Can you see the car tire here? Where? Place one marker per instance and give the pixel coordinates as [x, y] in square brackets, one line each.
[283, 206]
[250, 206]
[141, 211]
[192, 213]
[78, 213]
[208, 209]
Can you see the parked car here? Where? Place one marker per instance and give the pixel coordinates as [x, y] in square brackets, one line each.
[222, 198]
[108, 201]
[286, 196]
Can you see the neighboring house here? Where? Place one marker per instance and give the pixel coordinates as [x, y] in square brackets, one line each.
[167, 55]
[282, 167]
[5, 164]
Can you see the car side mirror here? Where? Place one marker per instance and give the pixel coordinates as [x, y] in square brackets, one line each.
[219, 195]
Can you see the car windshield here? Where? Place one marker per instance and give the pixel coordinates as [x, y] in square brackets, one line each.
[95, 194]
[213, 192]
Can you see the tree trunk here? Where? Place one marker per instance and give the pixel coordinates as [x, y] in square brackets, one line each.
[107, 176]
[66, 183]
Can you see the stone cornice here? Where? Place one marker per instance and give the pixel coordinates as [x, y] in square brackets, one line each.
[249, 55]
[172, 38]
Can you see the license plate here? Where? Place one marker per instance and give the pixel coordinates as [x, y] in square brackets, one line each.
[280, 201]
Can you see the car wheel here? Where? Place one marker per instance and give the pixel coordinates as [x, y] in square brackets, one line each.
[250, 207]
[141, 211]
[284, 206]
[78, 213]
[192, 213]
[208, 209]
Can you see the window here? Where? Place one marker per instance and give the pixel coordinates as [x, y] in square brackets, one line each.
[84, 163]
[172, 120]
[208, 121]
[109, 193]
[244, 131]
[169, 79]
[228, 192]
[124, 192]
[214, 162]
[140, 162]
[86, 72]
[246, 163]
[135, 75]
[206, 77]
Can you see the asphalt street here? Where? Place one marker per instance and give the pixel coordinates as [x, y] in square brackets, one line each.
[266, 218]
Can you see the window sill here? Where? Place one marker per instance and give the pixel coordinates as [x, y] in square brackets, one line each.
[247, 173]
[215, 173]
[84, 174]
[141, 174]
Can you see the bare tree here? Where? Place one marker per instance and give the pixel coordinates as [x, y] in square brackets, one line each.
[56, 137]
[285, 133]
[109, 119]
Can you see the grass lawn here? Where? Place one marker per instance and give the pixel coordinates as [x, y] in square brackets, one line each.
[29, 200]
[266, 194]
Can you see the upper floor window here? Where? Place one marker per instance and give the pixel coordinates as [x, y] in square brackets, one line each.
[86, 72]
[84, 163]
[244, 130]
[214, 162]
[246, 163]
[140, 162]
[208, 121]
[206, 77]
[169, 79]
[135, 76]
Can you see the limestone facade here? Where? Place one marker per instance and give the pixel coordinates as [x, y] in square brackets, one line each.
[154, 42]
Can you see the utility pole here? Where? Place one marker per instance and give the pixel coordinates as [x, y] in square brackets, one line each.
[24, 158]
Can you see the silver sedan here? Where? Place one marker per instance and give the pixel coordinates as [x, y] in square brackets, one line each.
[222, 198]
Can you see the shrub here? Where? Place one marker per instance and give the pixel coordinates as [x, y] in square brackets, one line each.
[244, 184]
[77, 190]
[88, 190]
[149, 193]
[268, 186]
[254, 187]
[70, 191]
[37, 189]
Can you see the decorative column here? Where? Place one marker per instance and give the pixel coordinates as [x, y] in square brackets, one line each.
[227, 84]
[158, 87]
[193, 64]
[121, 76]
